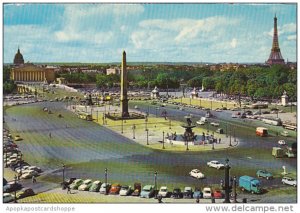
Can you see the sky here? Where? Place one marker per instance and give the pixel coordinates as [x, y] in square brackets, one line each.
[98, 33]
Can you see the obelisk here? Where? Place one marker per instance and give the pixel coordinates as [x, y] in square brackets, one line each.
[123, 99]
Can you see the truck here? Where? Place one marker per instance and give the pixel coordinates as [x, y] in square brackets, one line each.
[278, 152]
[261, 131]
[250, 184]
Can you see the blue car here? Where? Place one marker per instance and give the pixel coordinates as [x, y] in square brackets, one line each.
[264, 174]
[147, 191]
[197, 194]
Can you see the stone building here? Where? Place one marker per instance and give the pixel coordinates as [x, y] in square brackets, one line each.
[29, 72]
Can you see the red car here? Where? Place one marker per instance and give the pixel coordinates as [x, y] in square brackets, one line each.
[115, 189]
[217, 194]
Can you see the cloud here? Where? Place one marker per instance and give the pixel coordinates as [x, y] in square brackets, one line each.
[233, 43]
[285, 29]
[292, 37]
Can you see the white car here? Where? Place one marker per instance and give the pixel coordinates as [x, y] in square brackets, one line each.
[21, 169]
[215, 124]
[207, 192]
[289, 181]
[85, 185]
[7, 197]
[196, 174]
[125, 190]
[215, 164]
[104, 188]
[28, 174]
[200, 122]
[234, 115]
[281, 142]
[163, 191]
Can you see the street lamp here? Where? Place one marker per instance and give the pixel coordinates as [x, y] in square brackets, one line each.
[63, 166]
[146, 121]
[133, 131]
[105, 181]
[226, 185]
[155, 182]
[15, 179]
[234, 190]
[122, 126]
[147, 132]
[163, 140]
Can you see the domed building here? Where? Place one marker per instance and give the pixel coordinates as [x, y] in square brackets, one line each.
[28, 72]
[18, 60]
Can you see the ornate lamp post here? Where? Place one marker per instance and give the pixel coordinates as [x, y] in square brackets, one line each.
[226, 185]
[105, 181]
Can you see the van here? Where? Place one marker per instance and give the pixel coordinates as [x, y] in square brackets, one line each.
[278, 152]
[261, 131]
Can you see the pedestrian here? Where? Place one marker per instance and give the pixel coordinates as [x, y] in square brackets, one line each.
[219, 140]
[50, 135]
[68, 190]
[33, 179]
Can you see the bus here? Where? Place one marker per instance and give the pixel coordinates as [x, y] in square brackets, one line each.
[85, 116]
[261, 131]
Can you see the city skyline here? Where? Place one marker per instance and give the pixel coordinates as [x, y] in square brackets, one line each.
[98, 33]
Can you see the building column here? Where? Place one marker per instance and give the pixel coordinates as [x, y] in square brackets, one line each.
[44, 75]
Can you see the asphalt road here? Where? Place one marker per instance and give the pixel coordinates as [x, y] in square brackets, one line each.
[88, 142]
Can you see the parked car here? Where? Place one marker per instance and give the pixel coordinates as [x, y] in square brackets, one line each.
[218, 194]
[215, 164]
[115, 189]
[104, 188]
[95, 187]
[215, 124]
[147, 191]
[264, 174]
[281, 142]
[21, 168]
[125, 190]
[7, 197]
[289, 181]
[35, 168]
[26, 192]
[18, 138]
[285, 133]
[11, 187]
[163, 191]
[137, 189]
[26, 174]
[196, 174]
[207, 192]
[85, 185]
[197, 193]
[67, 182]
[177, 193]
[188, 192]
[76, 184]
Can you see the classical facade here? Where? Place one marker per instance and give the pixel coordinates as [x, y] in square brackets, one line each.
[32, 73]
[29, 72]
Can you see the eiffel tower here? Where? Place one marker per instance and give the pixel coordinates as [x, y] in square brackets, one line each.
[275, 55]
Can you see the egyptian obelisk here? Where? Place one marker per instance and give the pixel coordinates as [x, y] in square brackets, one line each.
[123, 99]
